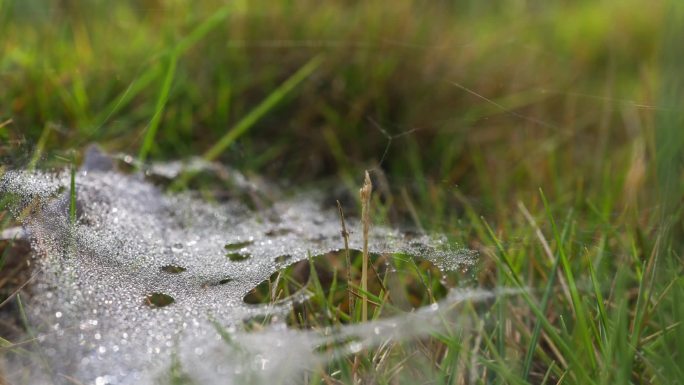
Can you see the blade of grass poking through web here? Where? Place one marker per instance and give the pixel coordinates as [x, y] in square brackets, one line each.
[272, 100]
[198, 33]
[72, 210]
[31, 334]
[72, 197]
[578, 305]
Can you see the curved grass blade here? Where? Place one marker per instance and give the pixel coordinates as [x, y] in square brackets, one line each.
[178, 51]
[273, 99]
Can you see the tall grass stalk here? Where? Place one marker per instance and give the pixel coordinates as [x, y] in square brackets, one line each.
[365, 193]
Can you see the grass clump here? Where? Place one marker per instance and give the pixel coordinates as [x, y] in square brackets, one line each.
[321, 286]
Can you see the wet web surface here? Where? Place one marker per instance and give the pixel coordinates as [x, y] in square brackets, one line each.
[145, 278]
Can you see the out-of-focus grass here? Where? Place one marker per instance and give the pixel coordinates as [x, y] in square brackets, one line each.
[482, 104]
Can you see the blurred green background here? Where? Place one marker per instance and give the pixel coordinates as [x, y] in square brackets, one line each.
[451, 100]
[578, 77]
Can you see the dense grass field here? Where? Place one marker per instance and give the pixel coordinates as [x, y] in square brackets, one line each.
[547, 135]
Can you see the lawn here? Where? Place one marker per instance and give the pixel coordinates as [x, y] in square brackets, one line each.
[548, 136]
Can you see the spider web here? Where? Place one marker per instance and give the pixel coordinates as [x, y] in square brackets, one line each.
[93, 313]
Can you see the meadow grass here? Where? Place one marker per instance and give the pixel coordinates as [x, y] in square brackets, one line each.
[547, 136]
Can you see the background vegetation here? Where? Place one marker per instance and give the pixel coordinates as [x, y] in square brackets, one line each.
[463, 109]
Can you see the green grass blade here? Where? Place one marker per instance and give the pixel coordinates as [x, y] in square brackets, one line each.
[159, 109]
[562, 344]
[527, 364]
[263, 108]
[669, 140]
[72, 197]
[197, 34]
[201, 30]
[580, 311]
[139, 84]
[40, 147]
[5, 343]
[603, 318]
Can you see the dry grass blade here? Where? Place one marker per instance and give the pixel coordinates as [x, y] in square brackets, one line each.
[545, 246]
[365, 193]
[6, 123]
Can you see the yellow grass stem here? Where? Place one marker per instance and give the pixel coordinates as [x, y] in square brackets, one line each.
[365, 193]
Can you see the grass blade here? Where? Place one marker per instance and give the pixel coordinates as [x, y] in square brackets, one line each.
[365, 193]
[40, 147]
[569, 354]
[185, 44]
[527, 364]
[580, 311]
[159, 109]
[273, 99]
[72, 197]
[139, 84]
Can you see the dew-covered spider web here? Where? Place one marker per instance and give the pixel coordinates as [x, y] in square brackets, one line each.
[136, 282]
